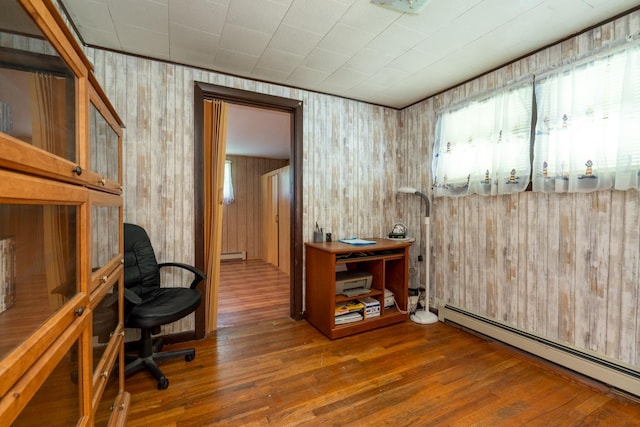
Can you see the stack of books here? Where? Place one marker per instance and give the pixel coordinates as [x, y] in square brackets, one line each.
[347, 312]
[353, 311]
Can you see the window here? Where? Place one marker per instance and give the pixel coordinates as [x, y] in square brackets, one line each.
[484, 147]
[588, 128]
[587, 133]
[228, 184]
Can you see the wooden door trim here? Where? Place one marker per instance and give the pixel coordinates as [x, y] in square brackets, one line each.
[204, 91]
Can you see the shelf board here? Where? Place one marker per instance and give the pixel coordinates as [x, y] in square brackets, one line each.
[389, 317]
[344, 298]
[386, 257]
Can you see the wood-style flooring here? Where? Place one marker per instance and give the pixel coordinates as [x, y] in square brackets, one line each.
[286, 373]
[251, 291]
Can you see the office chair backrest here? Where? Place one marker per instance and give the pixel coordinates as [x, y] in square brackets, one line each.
[141, 272]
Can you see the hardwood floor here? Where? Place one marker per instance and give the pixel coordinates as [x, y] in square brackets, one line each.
[286, 373]
[251, 291]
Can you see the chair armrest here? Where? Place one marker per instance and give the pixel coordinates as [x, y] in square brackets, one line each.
[131, 297]
[200, 276]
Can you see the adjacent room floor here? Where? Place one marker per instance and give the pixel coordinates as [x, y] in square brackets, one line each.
[251, 291]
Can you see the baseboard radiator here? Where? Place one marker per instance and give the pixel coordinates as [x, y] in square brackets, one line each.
[233, 256]
[609, 372]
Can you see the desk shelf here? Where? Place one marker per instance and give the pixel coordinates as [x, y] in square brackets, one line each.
[388, 263]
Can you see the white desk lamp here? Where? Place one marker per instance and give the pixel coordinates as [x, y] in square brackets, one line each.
[424, 316]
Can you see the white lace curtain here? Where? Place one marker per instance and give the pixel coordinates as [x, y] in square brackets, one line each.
[588, 126]
[484, 147]
[228, 197]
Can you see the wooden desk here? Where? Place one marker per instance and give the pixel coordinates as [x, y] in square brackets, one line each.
[388, 263]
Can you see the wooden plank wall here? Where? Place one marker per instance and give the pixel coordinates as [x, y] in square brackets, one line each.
[565, 266]
[351, 154]
[241, 219]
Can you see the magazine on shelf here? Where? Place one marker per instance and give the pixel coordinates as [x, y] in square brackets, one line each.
[348, 307]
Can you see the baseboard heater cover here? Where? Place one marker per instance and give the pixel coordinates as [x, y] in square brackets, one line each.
[233, 256]
[609, 372]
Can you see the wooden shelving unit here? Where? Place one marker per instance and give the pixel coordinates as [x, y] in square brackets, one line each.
[388, 263]
[61, 212]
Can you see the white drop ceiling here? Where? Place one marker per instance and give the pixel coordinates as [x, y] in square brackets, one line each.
[348, 48]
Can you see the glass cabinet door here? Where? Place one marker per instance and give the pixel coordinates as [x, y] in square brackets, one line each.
[57, 402]
[105, 325]
[38, 267]
[106, 214]
[42, 265]
[37, 88]
[39, 95]
[104, 146]
[108, 409]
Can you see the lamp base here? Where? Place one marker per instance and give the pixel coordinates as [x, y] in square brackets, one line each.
[424, 317]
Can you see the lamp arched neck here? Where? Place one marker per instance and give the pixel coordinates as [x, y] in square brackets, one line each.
[426, 202]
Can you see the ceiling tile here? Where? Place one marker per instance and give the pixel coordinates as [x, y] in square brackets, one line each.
[90, 14]
[286, 3]
[369, 60]
[243, 40]
[306, 77]
[396, 39]
[364, 90]
[279, 60]
[369, 17]
[202, 15]
[436, 16]
[342, 79]
[192, 39]
[149, 14]
[270, 75]
[412, 60]
[98, 37]
[386, 77]
[294, 40]
[315, 16]
[235, 62]
[144, 42]
[325, 61]
[243, 13]
[345, 40]
[195, 58]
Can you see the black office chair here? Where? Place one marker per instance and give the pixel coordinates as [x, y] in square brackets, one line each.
[152, 305]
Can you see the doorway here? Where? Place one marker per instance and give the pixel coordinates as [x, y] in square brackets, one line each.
[254, 281]
[204, 91]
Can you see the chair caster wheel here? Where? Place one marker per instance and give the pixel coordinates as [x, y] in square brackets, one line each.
[163, 383]
[190, 357]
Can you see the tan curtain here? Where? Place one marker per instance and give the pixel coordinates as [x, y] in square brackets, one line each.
[47, 102]
[215, 142]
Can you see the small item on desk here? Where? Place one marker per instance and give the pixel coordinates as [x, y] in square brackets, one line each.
[399, 231]
[354, 241]
[317, 235]
[328, 238]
